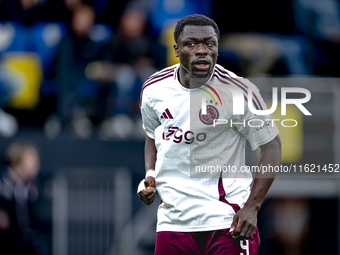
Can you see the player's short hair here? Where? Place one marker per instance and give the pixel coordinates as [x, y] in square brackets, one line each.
[194, 20]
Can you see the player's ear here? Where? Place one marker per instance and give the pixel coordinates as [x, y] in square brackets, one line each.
[176, 50]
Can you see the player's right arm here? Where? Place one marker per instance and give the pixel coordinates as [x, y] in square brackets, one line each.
[147, 195]
[150, 123]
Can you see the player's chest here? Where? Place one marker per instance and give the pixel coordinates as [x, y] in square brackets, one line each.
[194, 110]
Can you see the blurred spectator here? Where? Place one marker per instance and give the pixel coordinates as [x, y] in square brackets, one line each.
[261, 47]
[264, 16]
[130, 59]
[61, 10]
[24, 11]
[164, 13]
[9, 84]
[32, 11]
[288, 228]
[260, 53]
[18, 191]
[320, 22]
[74, 91]
[58, 10]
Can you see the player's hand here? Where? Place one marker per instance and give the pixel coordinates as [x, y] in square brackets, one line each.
[244, 223]
[147, 195]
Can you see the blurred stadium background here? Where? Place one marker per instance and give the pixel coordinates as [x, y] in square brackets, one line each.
[70, 76]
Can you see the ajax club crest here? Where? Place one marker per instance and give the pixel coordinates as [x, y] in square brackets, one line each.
[212, 113]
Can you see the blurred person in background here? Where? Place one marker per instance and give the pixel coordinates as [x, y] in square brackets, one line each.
[61, 10]
[76, 50]
[9, 84]
[58, 10]
[261, 47]
[18, 191]
[24, 11]
[319, 21]
[30, 11]
[129, 59]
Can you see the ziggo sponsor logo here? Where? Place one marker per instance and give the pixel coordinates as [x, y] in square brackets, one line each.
[177, 135]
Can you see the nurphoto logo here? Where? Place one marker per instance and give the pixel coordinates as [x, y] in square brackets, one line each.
[238, 107]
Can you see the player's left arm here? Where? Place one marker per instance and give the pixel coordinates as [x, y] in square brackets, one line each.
[245, 220]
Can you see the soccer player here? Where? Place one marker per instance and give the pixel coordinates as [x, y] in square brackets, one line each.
[214, 213]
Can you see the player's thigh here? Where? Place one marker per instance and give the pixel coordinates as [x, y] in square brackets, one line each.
[176, 243]
[222, 243]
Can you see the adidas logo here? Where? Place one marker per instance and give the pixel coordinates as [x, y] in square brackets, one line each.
[166, 114]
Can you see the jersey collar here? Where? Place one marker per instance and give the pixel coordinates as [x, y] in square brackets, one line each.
[210, 81]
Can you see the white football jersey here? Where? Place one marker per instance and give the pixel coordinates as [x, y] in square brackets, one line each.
[194, 150]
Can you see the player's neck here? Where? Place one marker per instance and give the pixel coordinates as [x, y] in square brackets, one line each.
[186, 80]
[184, 77]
